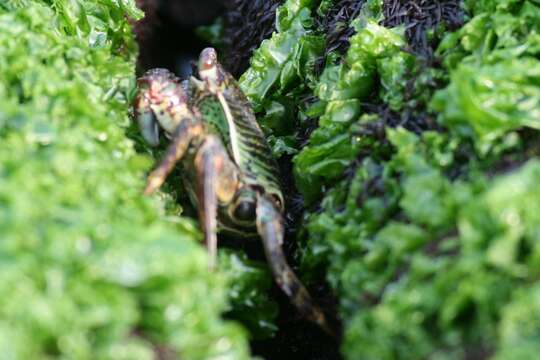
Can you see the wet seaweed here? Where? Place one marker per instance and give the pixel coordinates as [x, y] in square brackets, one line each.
[419, 18]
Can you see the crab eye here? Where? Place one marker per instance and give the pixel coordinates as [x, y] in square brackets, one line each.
[208, 59]
[244, 210]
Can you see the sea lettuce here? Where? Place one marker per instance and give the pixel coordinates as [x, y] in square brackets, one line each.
[374, 50]
[249, 284]
[281, 70]
[494, 72]
[280, 60]
[492, 100]
[430, 249]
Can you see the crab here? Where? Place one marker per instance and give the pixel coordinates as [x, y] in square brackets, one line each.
[227, 165]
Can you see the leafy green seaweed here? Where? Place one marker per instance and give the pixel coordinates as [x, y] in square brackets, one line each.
[248, 285]
[280, 59]
[429, 243]
[494, 79]
[280, 71]
[343, 88]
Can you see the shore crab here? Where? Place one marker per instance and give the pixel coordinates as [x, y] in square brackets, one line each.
[228, 166]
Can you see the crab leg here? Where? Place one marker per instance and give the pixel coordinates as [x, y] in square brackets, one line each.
[182, 137]
[217, 183]
[270, 228]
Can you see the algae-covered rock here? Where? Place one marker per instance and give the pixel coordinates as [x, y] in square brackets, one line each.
[419, 176]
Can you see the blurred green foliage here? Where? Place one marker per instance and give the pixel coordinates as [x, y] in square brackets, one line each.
[90, 269]
[249, 283]
[494, 73]
[429, 241]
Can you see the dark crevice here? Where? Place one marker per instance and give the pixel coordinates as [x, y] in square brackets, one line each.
[335, 25]
[310, 124]
[419, 18]
[246, 24]
[166, 35]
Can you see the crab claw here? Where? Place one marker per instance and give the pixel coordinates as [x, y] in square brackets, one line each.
[146, 119]
[148, 127]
